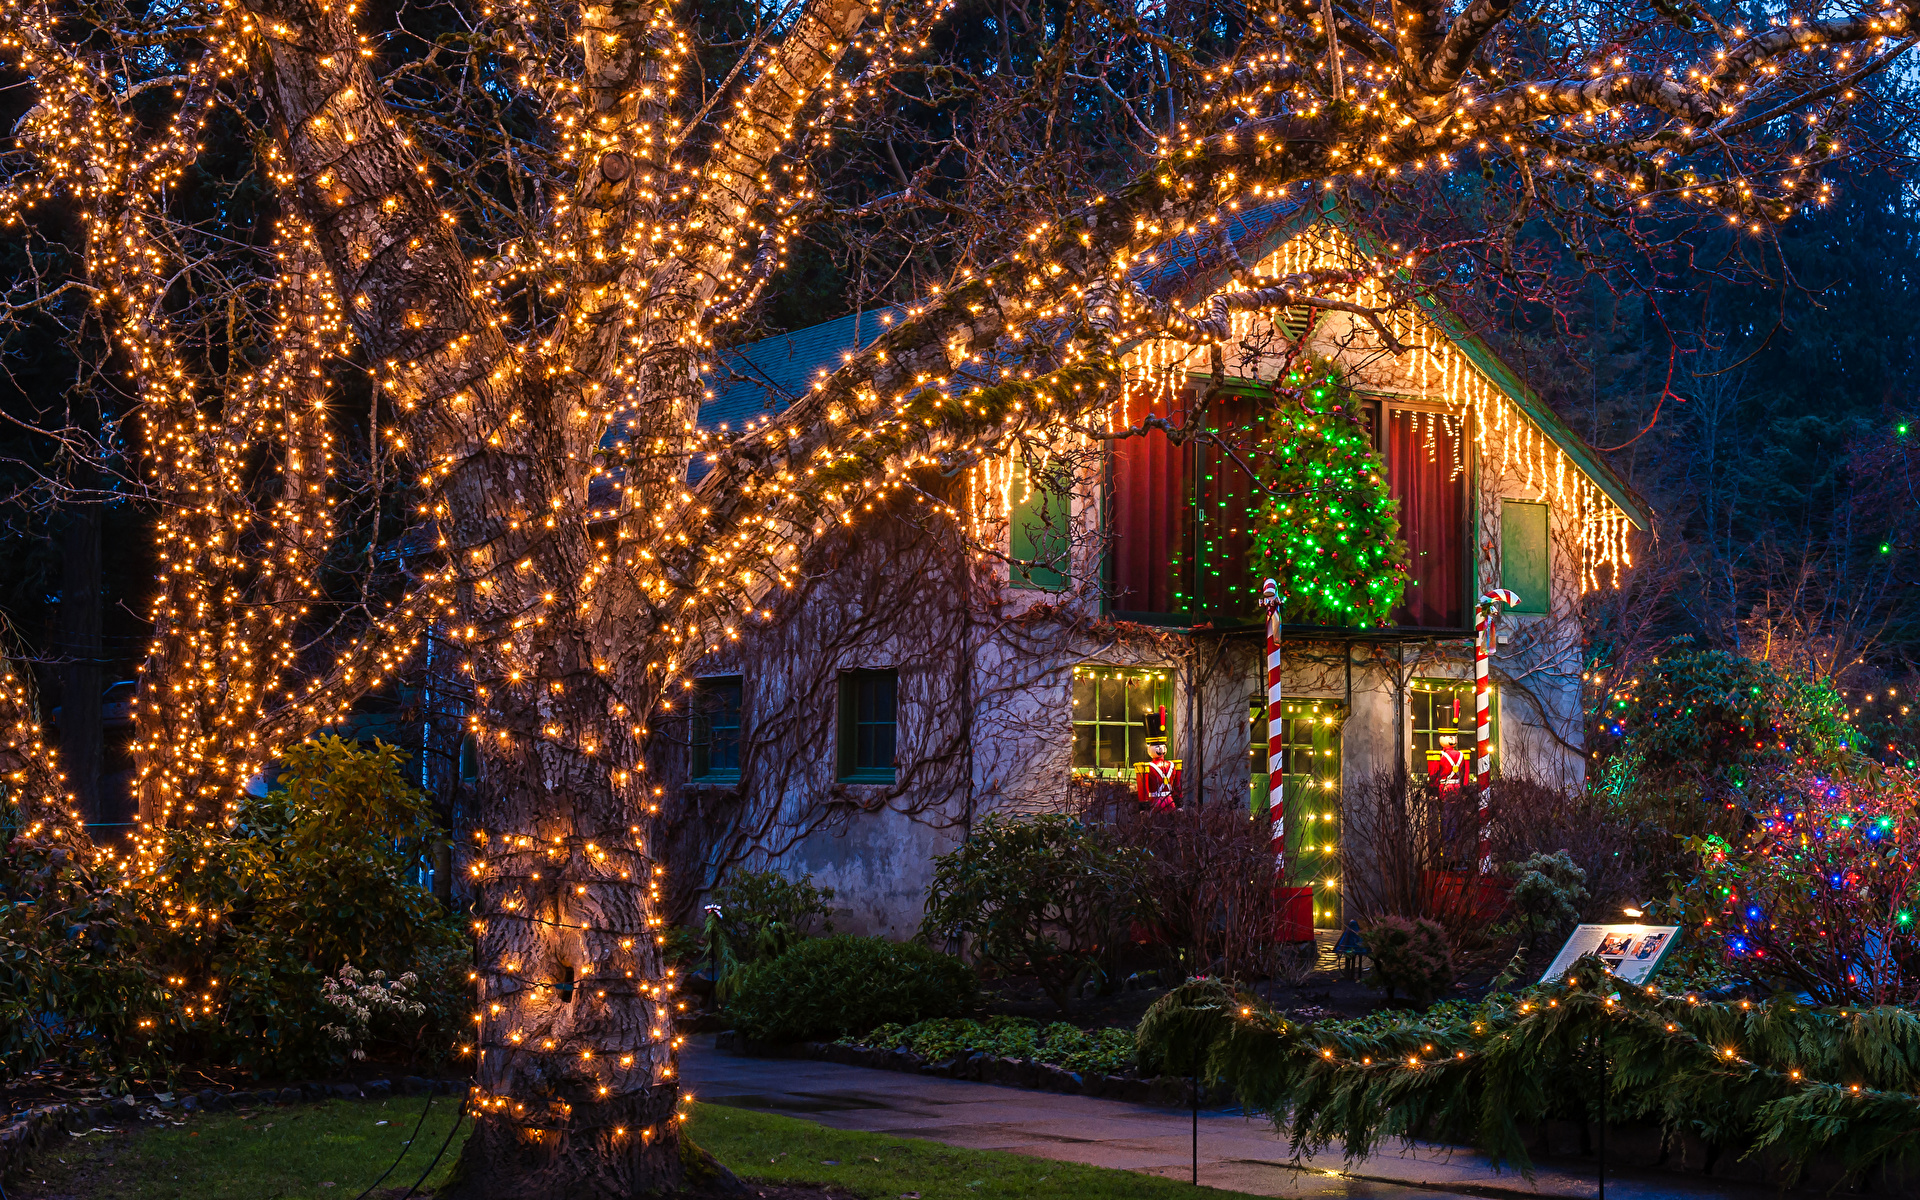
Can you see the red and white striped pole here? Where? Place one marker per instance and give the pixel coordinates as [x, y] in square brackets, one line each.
[1276, 746]
[1485, 613]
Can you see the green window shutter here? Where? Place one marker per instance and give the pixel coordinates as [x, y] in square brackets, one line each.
[1037, 527]
[1526, 561]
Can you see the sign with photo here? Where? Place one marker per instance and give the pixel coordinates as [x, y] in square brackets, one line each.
[1630, 951]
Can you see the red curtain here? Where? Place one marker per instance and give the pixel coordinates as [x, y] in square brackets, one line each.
[1151, 518]
[1227, 503]
[1425, 470]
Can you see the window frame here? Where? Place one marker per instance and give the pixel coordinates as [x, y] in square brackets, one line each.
[1545, 555]
[1418, 754]
[1052, 541]
[1158, 685]
[846, 742]
[701, 729]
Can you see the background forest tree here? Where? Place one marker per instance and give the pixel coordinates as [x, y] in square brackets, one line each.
[394, 324]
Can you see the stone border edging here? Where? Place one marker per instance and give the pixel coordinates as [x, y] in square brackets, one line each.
[26, 1133]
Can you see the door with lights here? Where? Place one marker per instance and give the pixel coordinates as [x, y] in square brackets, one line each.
[1310, 790]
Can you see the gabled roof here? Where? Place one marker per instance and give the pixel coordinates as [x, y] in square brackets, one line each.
[764, 377]
[1262, 229]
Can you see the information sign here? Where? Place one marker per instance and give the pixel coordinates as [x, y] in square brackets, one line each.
[1630, 951]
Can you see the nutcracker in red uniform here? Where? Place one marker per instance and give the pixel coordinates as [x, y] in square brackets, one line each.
[1448, 769]
[1159, 780]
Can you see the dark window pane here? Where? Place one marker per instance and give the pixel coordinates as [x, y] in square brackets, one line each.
[1113, 700]
[1083, 744]
[874, 697]
[716, 726]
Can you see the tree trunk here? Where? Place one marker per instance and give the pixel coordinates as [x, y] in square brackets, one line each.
[575, 1091]
[82, 674]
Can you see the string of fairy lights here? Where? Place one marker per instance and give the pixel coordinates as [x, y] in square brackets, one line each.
[1670, 1020]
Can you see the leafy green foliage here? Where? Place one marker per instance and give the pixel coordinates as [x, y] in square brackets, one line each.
[1179, 1029]
[1768, 1076]
[1100, 1051]
[72, 986]
[246, 923]
[1548, 890]
[1822, 894]
[1039, 895]
[1410, 956]
[831, 987]
[1712, 720]
[757, 915]
[1330, 532]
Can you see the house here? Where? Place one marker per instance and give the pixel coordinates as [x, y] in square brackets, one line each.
[1098, 596]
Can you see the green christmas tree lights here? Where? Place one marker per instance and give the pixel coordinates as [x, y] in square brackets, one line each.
[1329, 528]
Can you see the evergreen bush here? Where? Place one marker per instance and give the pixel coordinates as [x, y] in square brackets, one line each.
[247, 923]
[1548, 890]
[832, 987]
[1410, 956]
[1773, 1076]
[1042, 895]
[1100, 1051]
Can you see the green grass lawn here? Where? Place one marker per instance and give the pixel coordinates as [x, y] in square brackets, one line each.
[334, 1150]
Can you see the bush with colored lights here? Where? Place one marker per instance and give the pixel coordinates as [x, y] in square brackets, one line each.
[1820, 895]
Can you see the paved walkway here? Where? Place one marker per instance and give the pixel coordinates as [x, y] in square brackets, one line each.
[1234, 1151]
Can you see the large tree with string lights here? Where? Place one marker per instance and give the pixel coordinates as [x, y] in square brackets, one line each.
[520, 229]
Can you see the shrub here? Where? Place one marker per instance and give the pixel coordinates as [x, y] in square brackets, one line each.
[1208, 881]
[756, 915]
[764, 912]
[313, 877]
[1178, 1030]
[1039, 895]
[1806, 1082]
[1411, 957]
[1548, 890]
[1689, 736]
[1822, 894]
[831, 987]
[1101, 1051]
[73, 988]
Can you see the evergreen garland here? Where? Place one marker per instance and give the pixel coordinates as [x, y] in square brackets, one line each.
[1329, 530]
[1798, 1082]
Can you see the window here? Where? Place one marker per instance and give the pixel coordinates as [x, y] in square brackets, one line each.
[869, 716]
[716, 728]
[1116, 710]
[1444, 708]
[1525, 561]
[1426, 468]
[1310, 759]
[1150, 515]
[1037, 527]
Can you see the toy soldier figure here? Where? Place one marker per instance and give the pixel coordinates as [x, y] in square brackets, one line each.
[1448, 770]
[1159, 780]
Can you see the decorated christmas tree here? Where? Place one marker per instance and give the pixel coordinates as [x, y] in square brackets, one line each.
[1327, 527]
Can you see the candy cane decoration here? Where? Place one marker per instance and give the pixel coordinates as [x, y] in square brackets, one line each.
[1276, 747]
[1485, 613]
